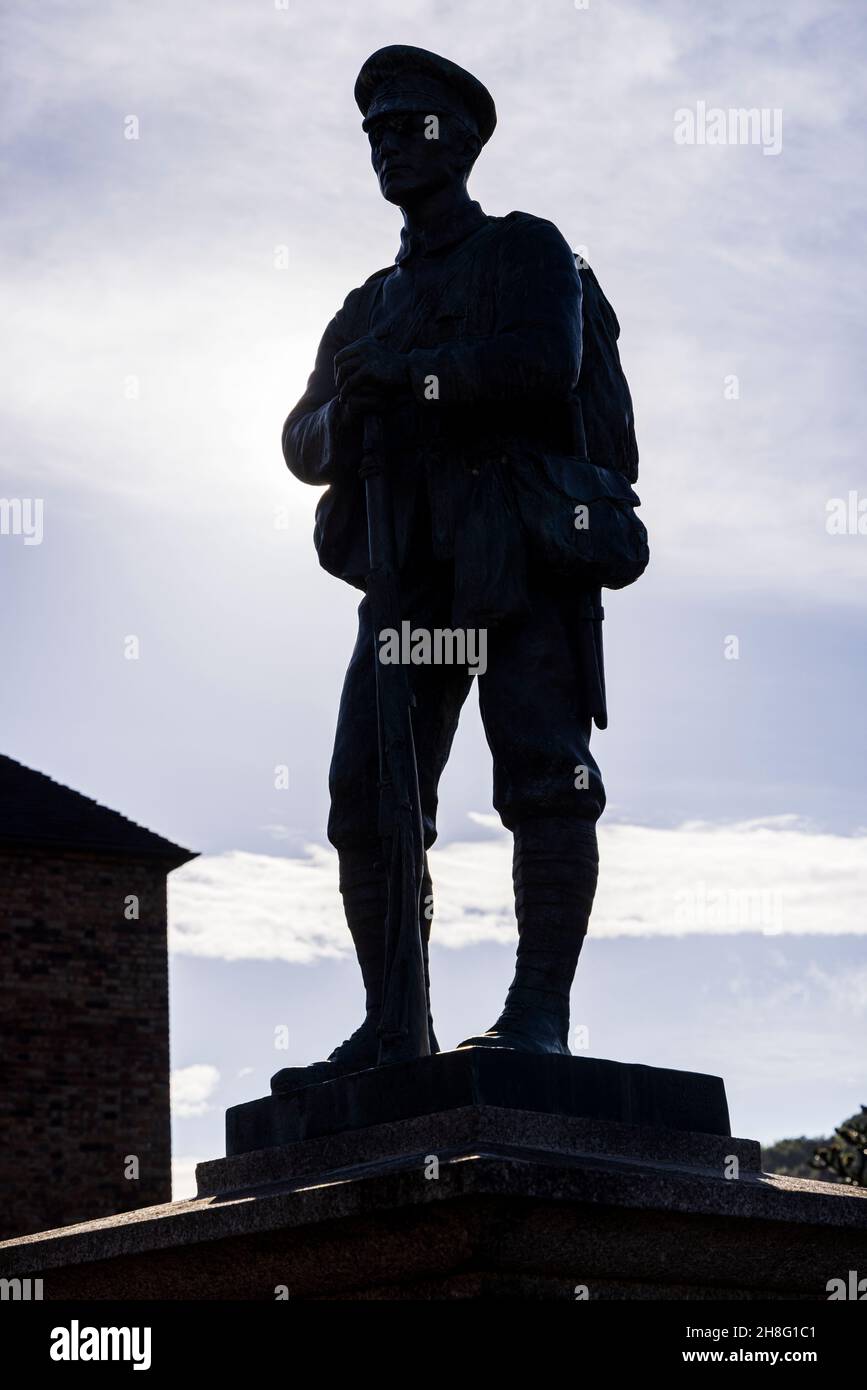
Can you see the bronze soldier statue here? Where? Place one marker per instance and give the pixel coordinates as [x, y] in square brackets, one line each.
[489, 355]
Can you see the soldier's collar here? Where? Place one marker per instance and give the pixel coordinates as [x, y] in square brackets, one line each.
[446, 233]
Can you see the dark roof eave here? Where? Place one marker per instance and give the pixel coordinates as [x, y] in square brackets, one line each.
[173, 856]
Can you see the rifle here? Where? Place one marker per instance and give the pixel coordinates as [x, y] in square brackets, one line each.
[403, 1030]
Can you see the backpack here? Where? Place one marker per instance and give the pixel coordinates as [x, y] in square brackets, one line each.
[606, 404]
[593, 533]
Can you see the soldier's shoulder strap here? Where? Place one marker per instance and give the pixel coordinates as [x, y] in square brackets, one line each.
[603, 391]
[594, 294]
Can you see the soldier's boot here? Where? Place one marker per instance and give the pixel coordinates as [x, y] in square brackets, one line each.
[364, 888]
[555, 868]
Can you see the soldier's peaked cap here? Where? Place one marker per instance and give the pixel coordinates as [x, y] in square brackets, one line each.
[401, 78]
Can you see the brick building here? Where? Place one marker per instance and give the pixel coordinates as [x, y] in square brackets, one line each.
[84, 1027]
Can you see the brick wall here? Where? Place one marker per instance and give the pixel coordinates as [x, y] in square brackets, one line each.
[85, 1039]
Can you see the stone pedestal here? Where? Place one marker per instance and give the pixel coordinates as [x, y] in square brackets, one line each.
[479, 1200]
[588, 1087]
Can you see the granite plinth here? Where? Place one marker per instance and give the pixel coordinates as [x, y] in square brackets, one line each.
[519, 1205]
[587, 1087]
[468, 1130]
[535, 1176]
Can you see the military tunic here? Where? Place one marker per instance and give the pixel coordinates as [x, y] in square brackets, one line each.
[489, 314]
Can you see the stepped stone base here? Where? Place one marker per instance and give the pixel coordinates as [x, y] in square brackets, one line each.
[476, 1201]
[580, 1086]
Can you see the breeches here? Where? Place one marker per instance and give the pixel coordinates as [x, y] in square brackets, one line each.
[530, 698]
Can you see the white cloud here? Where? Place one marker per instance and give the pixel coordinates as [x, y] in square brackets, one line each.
[241, 906]
[775, 876]
[715, 258]
[192, 1089]
[184, 1178]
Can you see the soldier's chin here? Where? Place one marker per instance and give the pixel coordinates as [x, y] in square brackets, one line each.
[397, 187]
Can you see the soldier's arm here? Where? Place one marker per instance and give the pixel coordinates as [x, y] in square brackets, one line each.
[535, 351]
[321, 439]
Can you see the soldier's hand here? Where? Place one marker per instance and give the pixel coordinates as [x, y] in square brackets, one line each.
[366, 372]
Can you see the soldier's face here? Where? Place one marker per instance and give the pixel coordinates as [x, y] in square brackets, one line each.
[414, 154]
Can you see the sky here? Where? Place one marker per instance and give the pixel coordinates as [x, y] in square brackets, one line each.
[189, 200]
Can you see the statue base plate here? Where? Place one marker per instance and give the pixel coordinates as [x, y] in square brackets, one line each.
[581, 1087]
